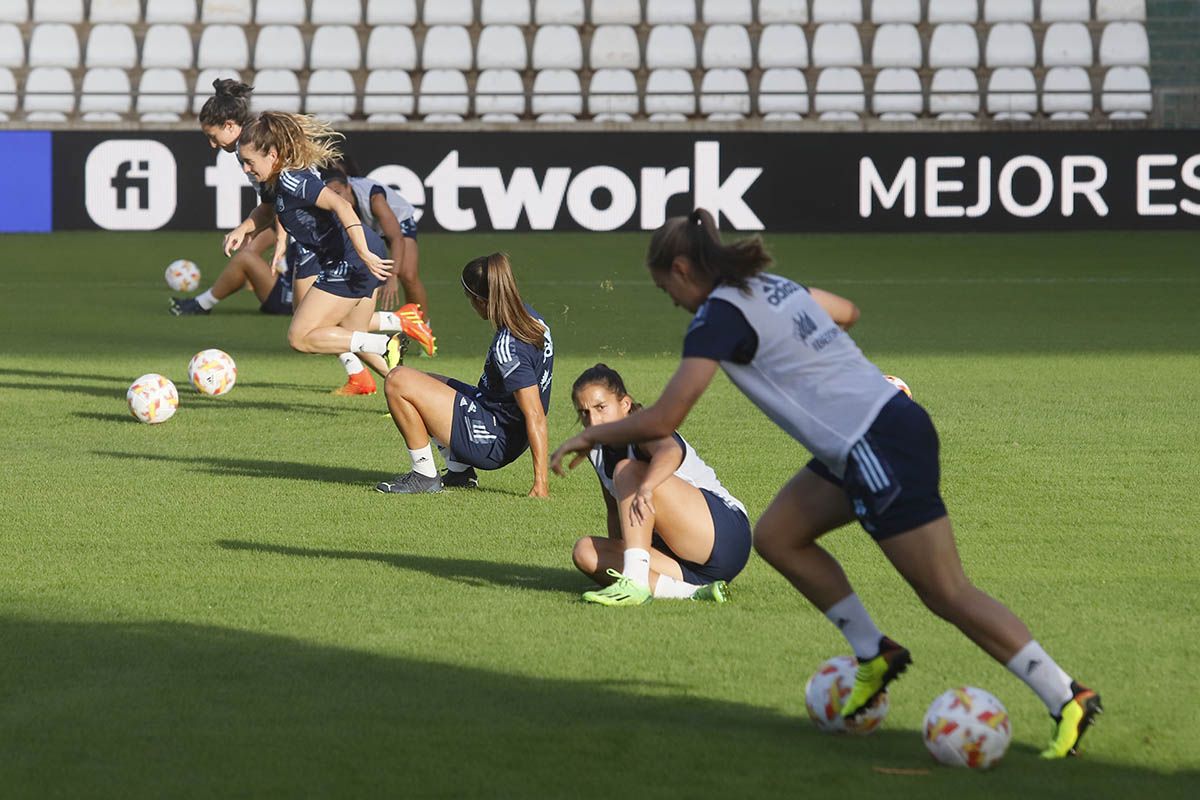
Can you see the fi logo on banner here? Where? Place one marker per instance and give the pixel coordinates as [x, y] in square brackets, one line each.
[130, 185]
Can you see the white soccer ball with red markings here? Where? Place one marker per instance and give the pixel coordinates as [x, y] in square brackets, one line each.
[152, 398]
[183, 276]
[825, 692]
[212, 372]
[899, 384]
[967, 727]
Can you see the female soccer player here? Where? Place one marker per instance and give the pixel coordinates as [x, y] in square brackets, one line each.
[672, 526]
[489, 425]
[876, 458]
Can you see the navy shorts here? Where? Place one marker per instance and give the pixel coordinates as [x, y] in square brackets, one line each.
[731, 545]
[408, 227]
[477, 437]
[892, 473]
[302, 261]
[279, 301]
[349, 278]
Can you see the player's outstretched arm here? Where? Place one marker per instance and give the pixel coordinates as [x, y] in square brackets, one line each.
[389, 293]
[843, 312]
[262, 217]
[529, 400]
[329, 200]
[665, 457]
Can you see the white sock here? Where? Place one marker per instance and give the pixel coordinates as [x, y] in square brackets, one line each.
[206, 299]
[351, 363]
[422, 461]
[856, 625]
[637, 566]
[387, 321]
[674, 589]
[1040, 673]
[451, 464]
[376, 343]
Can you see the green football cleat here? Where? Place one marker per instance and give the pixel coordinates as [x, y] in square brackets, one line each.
[874, 675]
[621, 592]
[397, 346]
[1075, 717]
[715, 592]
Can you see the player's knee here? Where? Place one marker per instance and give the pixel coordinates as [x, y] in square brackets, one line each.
[298, 341]
[396, 380]
[944, 596]
[628, 474]
[585, 557]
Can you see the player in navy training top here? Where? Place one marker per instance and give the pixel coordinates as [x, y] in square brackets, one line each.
[491, 424]
[875, 458]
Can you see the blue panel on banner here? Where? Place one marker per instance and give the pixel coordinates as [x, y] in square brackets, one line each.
[26, 204]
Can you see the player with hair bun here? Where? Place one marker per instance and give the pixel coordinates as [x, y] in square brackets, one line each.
[673, 530]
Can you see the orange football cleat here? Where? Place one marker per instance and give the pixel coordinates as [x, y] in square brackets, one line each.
[358, 383]
[414, 325]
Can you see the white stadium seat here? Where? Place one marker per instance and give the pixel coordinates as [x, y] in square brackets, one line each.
[58, 11]
[499, 118]
[724, 91]
[558, 12]
[1008, 11]
[614, 12]
[1065, 10]
[337, 47]
[447, 47]
[954, 91]
[1114, 10]
[1012, 90]
[1067, 44]
[49, 89]
[837, 44]
[557, 47]
[443, 117]
[670, 91]
[885, 11]
[840, 89]
[726, 46]
[162, 90]
[501, 47]
[782, 91]
[1126, 89]
[223, 46]
[182, 12]
[839, 116]
[725, 12]
[670, 12]
[105, 89]
[1127, 115]
[275, 90]
[556, 117]
[447, 12]
[557, 91]
[233, 12]
[776, 11]
[279, 47]
[836, 11]
[1010, 44]
[614, 46]
[160, 117]
[392, 12]
[612, 116]
[54, 44]
[954, 44]
[388, 91]
[671, 46]
[12, 46]
[203, 88]
[896, 45]
[127, 11]
[897, 91]
[391, 47]
[330, 92]
[504, 12]
[612, 91]
[342, 12]
[168, 45]
[1121, 44]
[280, 12]
[782, 45]
[941, 11]
[111, 45]
[499, 91]
[443, 91]
[8, 91]
[1067, 90]
[14, 11]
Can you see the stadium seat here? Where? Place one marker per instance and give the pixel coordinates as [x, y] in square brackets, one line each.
[341, 12]
[612, 116]
[896, 45]
[443, 91]
[670, 91]
[222, 46]
[280, 12]
[556, 117]
[503, 12]
[330, 92]
[337, 47]
[162, 90]
[279, 47]
[612, 91]
[388, 91]
[898, 116]
[1067, 44]
[391, 47]
[182, 12]
[782, 11]
[12, 46]
[393, 12]
[105, 89]
[8, 91]
[837, 44]
[614, 46]
[49, 89]
[1010, 44]
[954, 44]
[499, 118]
[447, 47]
[897, 91]
[1121, 44]
[726, 46]
[159, 117]
[1121, 10]
[275, 90]
[942, 11]
[896, 11]
[16, 11]
[783, 91]
[558, 12]
[557, 47]
[1065, 10]
[127, 11]
[501, 47]
[724, 91]
[111, 45]
[838, 116]
[58, 11]
[1128, 115]
[615, 12]
[672, 47]
[446, 12]
[557, 91]
[726, 12]
[1008, 11]
[670, 12]
[1012, 90]
[954, 91]
[499, 91]
[168, 45]
[782, 45]
[1126, 89]
[840, 89]
[203, 88]
[1067, 90]
[836, 11]
[232, 12]
[54, 44]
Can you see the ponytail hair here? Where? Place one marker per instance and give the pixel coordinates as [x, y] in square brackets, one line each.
[230, 102]
[605, 376]
[696, 238]
[301, 141]
[490, 279]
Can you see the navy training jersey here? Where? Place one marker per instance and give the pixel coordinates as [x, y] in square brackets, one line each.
[316, 229]
[512, 364]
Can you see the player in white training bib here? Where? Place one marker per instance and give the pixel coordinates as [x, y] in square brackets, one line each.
[875, 458]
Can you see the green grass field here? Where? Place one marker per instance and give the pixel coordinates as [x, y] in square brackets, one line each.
[222, 606]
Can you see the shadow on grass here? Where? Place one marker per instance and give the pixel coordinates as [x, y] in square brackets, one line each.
[461, 570]
[98, 416]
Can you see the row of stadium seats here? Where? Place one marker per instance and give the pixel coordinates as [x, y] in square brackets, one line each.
[562, 12]
[835, 44]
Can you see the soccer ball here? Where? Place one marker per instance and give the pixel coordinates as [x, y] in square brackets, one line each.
[899, 384]
[828, 687]
[152, 398]
[183, 275]
[212, 372]
[967, 727]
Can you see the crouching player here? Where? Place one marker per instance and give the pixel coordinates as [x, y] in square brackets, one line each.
[673, 529]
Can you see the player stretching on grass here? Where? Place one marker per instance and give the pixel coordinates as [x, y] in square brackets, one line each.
[876, 457]
[485, 426]
[672, 526]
